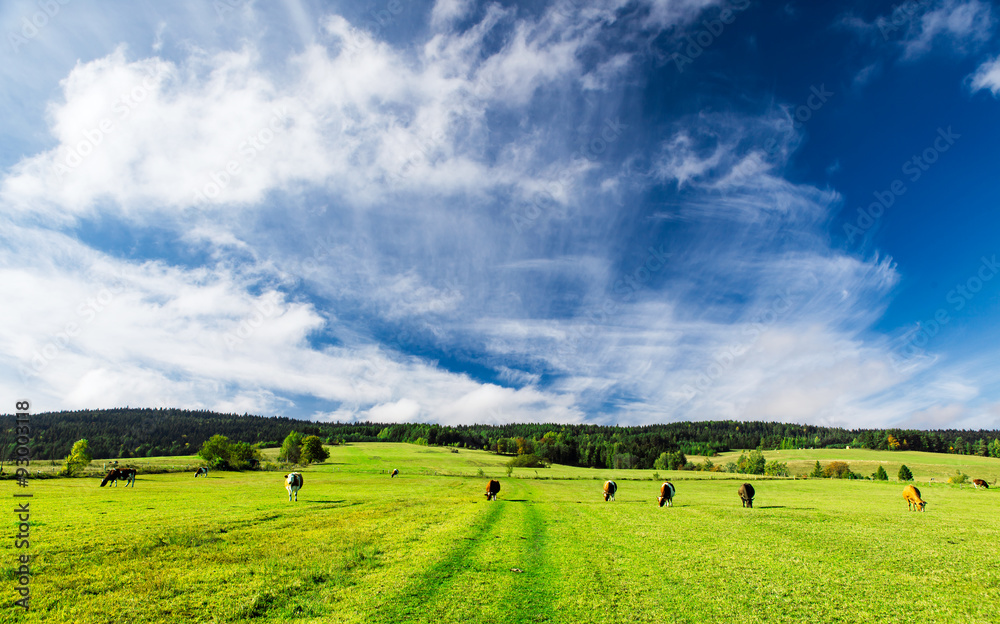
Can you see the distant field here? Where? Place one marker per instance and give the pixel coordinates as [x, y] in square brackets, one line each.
[361, 547]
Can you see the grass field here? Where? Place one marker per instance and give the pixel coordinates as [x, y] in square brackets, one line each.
[425, 547]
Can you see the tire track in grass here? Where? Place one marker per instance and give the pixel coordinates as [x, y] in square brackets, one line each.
[411, 603]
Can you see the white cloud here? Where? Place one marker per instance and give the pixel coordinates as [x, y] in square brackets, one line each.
[987, 76]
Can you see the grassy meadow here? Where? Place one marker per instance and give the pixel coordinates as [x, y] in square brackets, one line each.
[426, 546]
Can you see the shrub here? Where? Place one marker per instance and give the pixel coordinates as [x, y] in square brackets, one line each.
[656, 476]
[837, 470]
[480, 473]
[958, 477]
[731, 466]
[904, 473]
[880, 474]
[751, 464]
[527, 461]
[774, 468]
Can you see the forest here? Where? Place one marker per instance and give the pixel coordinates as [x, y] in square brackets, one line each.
[146, 432]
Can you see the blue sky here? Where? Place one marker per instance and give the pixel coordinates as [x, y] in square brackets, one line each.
[463, 212]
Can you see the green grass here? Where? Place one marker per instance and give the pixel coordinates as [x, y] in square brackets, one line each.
[361, 547]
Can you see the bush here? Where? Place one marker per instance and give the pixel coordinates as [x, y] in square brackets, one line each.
[751, 464]
[838, 470]
[527, 461]
[774, 468]
[958, 477]
[880, 474]
[904, 473]
[731, 466]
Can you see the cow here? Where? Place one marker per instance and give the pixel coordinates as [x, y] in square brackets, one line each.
[128, 474]
[492, 489]
[395, 472]
[111, 477]
[747, 494]
[293, 483]
[912, 496]
[979, 483]
[610, 488]
[666, 496]
[201, 471]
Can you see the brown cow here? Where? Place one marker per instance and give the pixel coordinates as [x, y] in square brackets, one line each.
[492, 489]
[912, 496]
[126, 474]
[747, 494]
[610, 487]
[979, 483]
[667, 492]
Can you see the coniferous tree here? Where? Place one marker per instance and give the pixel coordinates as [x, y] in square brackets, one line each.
[904, 473]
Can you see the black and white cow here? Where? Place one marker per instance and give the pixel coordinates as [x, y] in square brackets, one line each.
[666, 496]
[201, 471]
[610, 488]
[293, 483]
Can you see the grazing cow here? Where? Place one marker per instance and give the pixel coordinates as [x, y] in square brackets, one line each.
[111, 477]
[201, 471]
[747, 494]
[666, 496]
[912, 496]
[610, 488]
[492, 489]
[293, 483]
[128, 474]
[394, 473]
[979, 483]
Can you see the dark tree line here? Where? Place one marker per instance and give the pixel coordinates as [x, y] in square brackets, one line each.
[130, 432]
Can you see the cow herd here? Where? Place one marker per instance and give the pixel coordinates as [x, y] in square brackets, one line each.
[294, 481]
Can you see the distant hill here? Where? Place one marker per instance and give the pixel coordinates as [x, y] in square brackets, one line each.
[144, 432]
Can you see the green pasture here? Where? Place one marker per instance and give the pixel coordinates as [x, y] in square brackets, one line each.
[425, 547]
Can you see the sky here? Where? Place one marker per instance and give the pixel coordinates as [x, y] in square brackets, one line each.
[573, 211]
